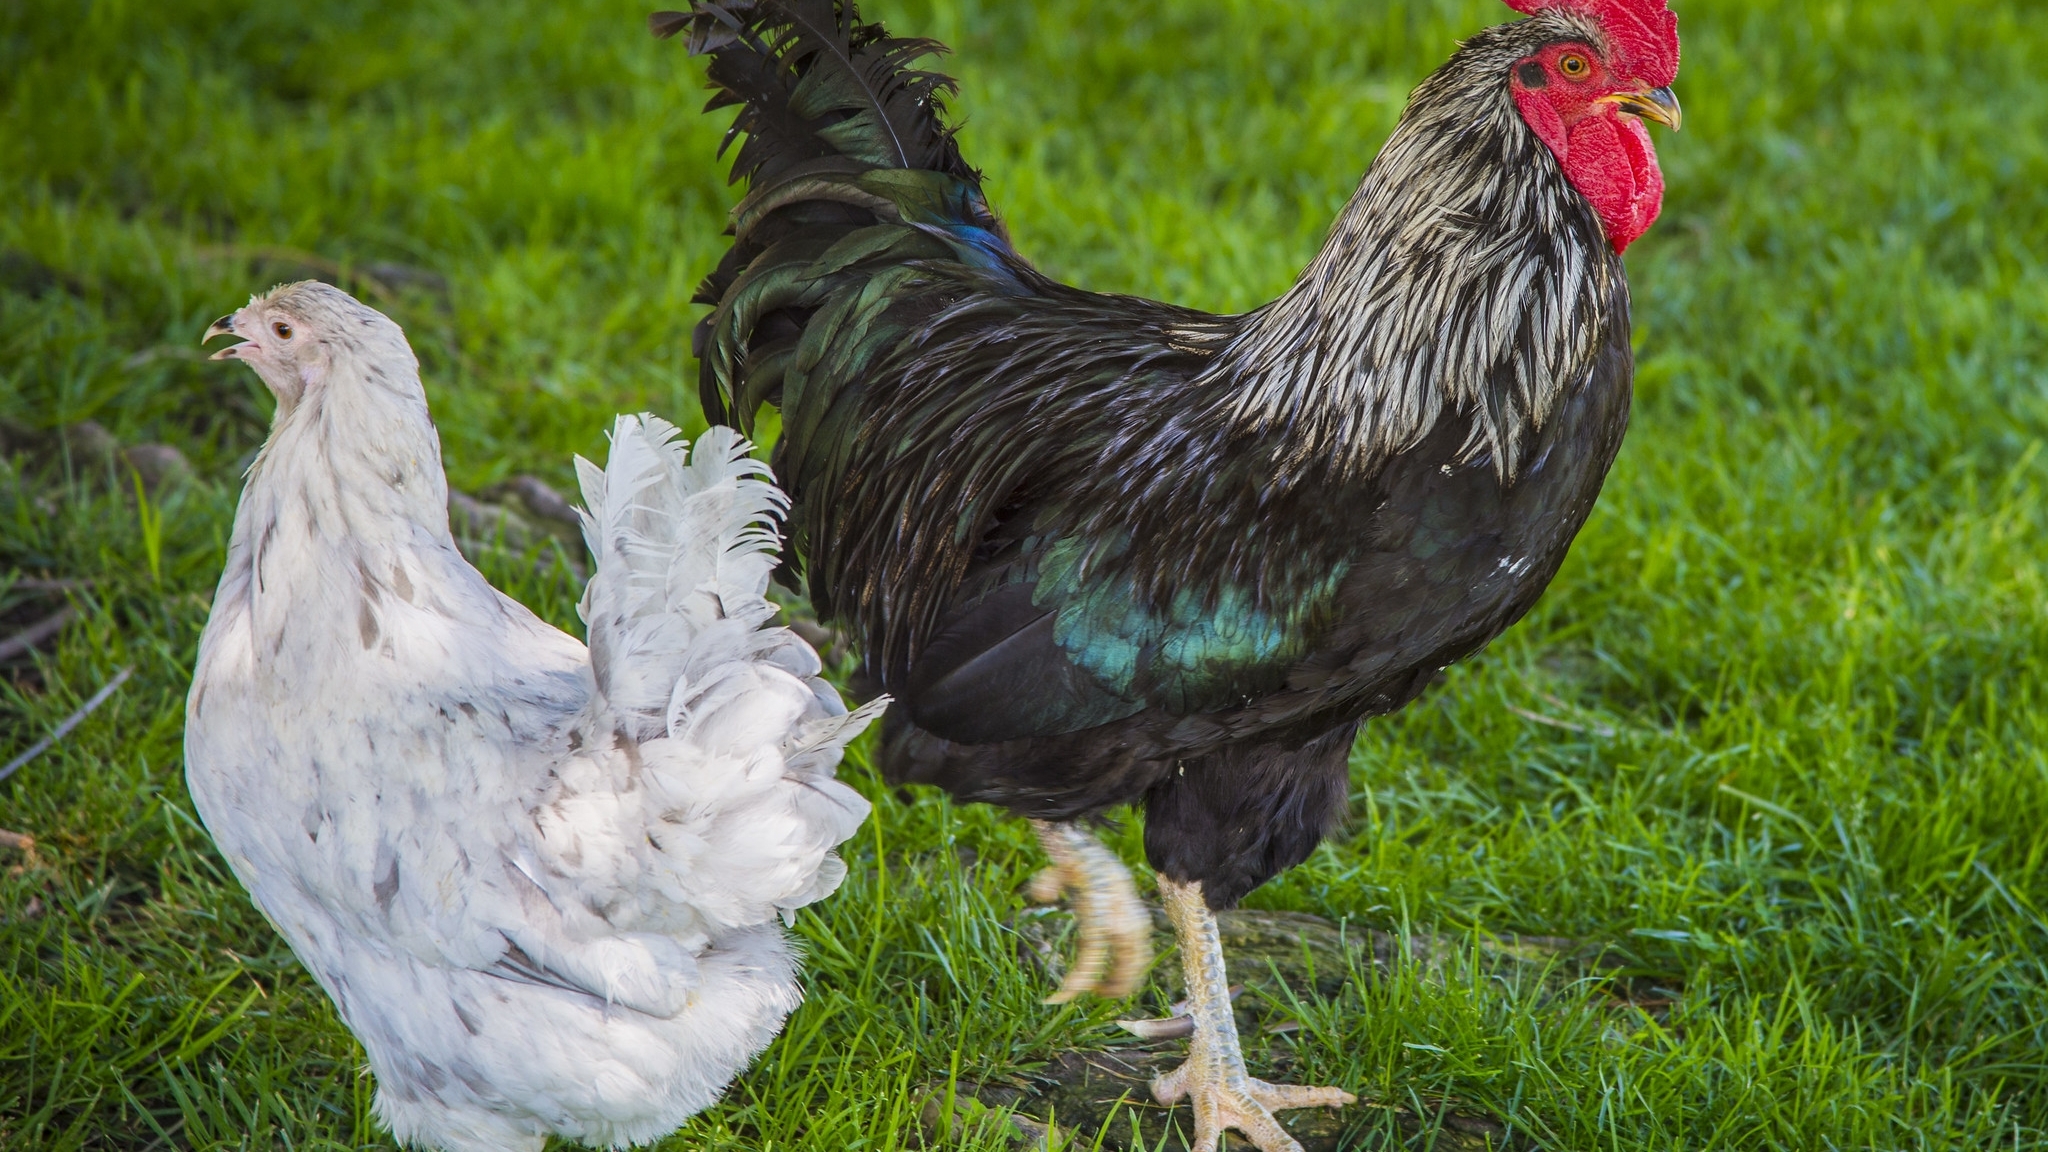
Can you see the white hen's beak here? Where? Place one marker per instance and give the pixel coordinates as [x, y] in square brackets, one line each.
[225, 326]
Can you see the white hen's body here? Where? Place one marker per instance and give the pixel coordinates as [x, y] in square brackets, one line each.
[540, 883]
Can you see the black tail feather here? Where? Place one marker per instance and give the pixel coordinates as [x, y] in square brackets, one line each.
[826, 103]
[813, 82]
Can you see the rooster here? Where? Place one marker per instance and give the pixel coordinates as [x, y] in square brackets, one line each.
[540, 883]
[1104, 550]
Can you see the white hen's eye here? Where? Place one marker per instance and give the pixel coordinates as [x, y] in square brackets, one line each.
[283, 330]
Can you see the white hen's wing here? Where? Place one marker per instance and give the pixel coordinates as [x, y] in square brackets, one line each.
[713, 808]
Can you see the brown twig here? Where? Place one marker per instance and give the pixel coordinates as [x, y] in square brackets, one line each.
[26, 845]
[543, 501]
[30, 585]
[28, 638]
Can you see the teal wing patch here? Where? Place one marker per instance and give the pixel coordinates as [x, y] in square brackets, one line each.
[1196, 654]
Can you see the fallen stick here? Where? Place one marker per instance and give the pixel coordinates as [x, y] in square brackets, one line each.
[25, 640]
[1600, 730]
[34, 585]
[543, 501]
[72, 721]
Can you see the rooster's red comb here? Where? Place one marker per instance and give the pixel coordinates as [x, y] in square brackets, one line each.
[1643, 32]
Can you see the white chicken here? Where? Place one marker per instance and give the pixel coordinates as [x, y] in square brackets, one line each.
[541, 883]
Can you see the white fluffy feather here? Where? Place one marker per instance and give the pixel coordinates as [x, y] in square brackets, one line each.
[541, 883]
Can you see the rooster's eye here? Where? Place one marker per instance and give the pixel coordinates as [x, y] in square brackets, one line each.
[283, 330]
[1574, 66]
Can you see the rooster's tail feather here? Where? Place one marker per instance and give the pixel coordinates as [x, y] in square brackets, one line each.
[814, 83]
[851, 171]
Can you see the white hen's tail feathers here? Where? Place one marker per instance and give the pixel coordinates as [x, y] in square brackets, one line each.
[684, 542]
[735, 735]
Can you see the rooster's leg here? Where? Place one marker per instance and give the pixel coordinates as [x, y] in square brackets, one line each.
[1116, 932]
[1223, 1094]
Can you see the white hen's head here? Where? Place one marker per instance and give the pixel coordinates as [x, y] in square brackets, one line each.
[299, 337]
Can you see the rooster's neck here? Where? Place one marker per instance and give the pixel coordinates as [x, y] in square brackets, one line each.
[1466, 279]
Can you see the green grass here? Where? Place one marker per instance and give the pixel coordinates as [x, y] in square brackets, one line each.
[1797, 652]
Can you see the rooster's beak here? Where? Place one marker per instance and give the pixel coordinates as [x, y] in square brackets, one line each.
[1658, 104]
[225, 326]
